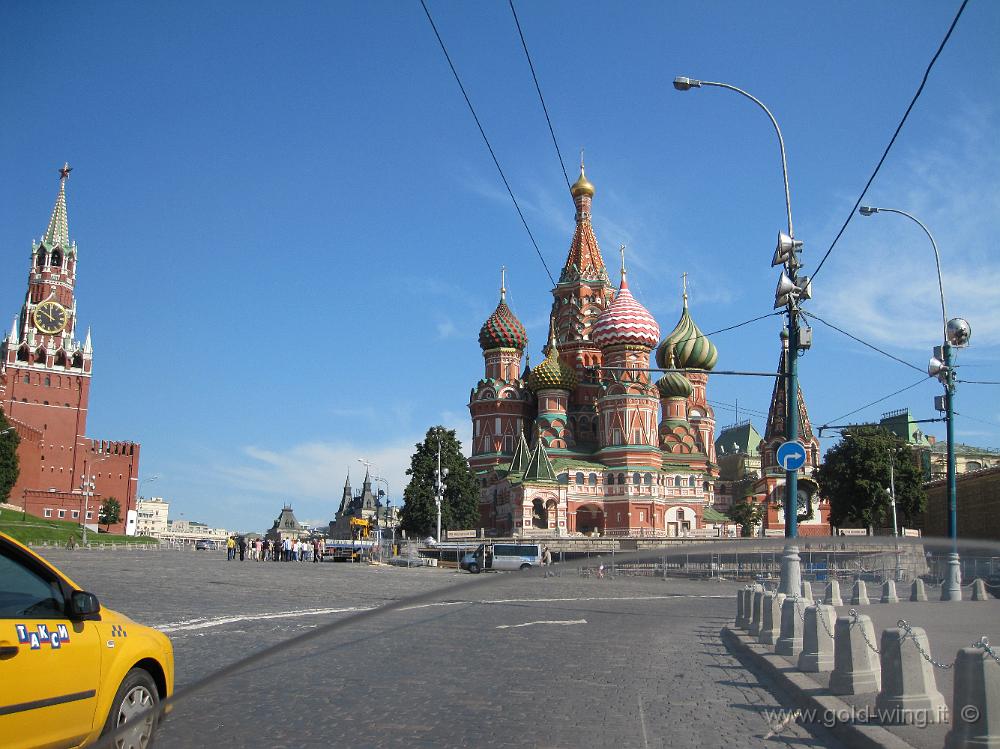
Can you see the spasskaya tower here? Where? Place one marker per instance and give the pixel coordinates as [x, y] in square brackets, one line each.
[45, 377]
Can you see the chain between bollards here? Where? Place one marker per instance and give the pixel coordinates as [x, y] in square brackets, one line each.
[822, 619]
[854, 614]
[984, 644]
[927, 656]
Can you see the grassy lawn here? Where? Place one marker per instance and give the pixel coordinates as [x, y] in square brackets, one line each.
[29, 529]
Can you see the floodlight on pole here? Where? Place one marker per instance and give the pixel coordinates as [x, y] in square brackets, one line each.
[956, 333]
[788, 294]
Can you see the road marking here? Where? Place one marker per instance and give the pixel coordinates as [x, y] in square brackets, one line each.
[223, 620]
[564, 622]
[190, 625]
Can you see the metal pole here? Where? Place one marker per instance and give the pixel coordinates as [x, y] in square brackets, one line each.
[437, 488]
[952, 588]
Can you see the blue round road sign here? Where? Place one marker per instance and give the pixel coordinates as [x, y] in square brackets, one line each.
[791, 455]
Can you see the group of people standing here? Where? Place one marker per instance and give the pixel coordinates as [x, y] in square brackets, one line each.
[283, 550]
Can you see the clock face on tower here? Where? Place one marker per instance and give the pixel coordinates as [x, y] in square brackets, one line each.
[50, 317]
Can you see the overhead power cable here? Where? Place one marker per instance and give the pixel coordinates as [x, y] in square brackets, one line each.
[883, 398]
[899, 127]
[979, 382]
[541, 98]
[486, 140]
[975, 418]
[872, 346]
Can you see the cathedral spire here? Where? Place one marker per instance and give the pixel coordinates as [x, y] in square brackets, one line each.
[776, 414]
[57, 233]
[584, 260]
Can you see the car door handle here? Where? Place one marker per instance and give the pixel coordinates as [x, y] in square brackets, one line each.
[8, 651]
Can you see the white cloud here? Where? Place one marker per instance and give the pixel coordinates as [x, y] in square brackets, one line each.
[881, 282]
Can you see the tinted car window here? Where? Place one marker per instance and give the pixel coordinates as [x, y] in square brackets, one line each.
[25, 593]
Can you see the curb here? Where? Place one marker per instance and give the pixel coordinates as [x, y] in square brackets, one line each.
[807, 694]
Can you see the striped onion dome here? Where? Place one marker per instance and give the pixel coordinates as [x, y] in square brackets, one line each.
[690, 348]
[553, 372]
[625, 322]
[502, 330]
[674, 385]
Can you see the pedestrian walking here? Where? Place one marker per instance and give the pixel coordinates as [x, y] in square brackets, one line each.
[547, 560]
[230, 548]
[241, 543]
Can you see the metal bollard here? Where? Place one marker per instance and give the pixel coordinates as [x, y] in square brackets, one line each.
[856, 668]
[740, 615]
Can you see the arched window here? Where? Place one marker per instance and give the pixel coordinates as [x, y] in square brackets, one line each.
[48, 380]
[593, 479]
[40, 356]
[648, 479]
[579, 477]
[668, 481]
[60, 359]
[78, 361]
[705, 486]
[56, 258]
[23, 354]
[40, 262]
[636, 478]
[692, 481]
[680, 515]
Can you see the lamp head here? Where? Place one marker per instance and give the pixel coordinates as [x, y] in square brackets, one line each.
[684, 84]
[867, 210]
[958, 332]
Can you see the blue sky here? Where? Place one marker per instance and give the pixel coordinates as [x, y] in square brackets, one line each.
[290, 230]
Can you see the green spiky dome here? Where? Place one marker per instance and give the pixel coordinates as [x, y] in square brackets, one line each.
[674, 385]
[552, 373]
[691, 349]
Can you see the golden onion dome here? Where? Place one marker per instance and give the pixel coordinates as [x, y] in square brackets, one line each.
[553, 372]
[582, 186]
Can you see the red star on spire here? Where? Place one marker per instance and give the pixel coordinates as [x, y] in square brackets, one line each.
[64, 172]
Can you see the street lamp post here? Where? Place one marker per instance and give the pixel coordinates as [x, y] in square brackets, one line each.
[439, 485]
[791, 290]
[955, 333]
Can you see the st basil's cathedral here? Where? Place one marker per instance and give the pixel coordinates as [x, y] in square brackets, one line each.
[586, 442]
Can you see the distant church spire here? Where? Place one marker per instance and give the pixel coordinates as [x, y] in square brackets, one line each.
[57, 233]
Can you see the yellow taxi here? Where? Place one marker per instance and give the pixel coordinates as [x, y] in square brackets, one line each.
[70, 670]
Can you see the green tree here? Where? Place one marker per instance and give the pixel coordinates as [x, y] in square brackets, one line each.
[110, 512]
[460, 508]
[748, 514]
[9, 466]
[855, 477]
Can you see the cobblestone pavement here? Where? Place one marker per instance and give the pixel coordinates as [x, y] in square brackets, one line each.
[512, 661]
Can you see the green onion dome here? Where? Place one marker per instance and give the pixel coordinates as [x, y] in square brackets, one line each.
[502, 330]
[674, 385]
[691, 349]
[553, 372]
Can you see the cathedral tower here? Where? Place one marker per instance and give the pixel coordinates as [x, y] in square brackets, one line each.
[581, 295]
[500, 403]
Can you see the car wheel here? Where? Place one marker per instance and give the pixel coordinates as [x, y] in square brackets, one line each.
[525, 567]
[474, 568]
[133, 712]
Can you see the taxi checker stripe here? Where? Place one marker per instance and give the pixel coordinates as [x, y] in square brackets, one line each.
[76, 696]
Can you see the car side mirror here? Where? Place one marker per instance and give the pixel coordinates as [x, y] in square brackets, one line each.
[84, 606]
